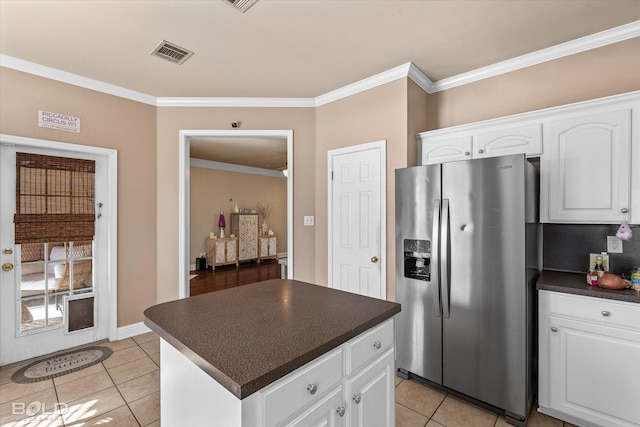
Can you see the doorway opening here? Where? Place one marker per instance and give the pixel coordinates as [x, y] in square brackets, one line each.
[185, 141]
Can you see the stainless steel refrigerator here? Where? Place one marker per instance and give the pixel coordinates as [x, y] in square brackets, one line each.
[467, 260]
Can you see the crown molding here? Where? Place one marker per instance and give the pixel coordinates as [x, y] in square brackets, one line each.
[74, 79]
[235, 102]
[408, 70]
[593, 41]
[379, 79]
[228, 167]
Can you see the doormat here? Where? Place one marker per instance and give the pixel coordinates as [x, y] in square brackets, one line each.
[60, 364]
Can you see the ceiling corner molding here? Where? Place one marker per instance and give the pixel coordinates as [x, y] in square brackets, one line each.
[593, 41]
[228, 167]
[235, 102]
[379, 79]
[420, 79]
[74, 79]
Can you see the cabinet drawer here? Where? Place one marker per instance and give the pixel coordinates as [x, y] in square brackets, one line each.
[292, 392]
[603, 311]
[369, 345]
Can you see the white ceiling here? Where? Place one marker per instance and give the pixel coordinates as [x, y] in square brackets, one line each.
[288, 48]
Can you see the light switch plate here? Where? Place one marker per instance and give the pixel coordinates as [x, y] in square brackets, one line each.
[614, 245]
[308, 220]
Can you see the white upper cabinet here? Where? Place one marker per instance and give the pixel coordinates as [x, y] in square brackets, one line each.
[448, 148]
[501, 140]
[589, 155]
[478, 141]
[587, 166]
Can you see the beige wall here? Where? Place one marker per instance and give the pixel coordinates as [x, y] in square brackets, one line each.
[109, 122]
[172, 119]
[374, 115]
[147, 140]
[596, 73]
[210, 192]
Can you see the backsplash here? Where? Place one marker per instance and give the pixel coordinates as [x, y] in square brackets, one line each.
[566, 247]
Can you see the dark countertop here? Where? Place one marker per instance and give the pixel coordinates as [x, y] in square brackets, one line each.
[250, 336]
[576, 283]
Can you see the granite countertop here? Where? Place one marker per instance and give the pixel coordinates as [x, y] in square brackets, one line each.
[576, 283]
[250, 336]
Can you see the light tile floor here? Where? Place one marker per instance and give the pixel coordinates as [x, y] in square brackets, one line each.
[124, 390]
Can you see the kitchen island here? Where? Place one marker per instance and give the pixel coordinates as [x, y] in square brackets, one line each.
[278, 352]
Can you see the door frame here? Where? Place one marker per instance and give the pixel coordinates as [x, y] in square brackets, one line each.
[110, 208]
[375, 145]
[184, 145]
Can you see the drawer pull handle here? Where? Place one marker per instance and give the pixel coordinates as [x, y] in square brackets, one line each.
[357, 398]
[481, 151]
[466, 153]
[377, 345]
[312, 388]
[554, 329]
[340, 410]
[606, 313]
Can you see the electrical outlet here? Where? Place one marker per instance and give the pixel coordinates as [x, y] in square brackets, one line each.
[308, 220]
[614, 245]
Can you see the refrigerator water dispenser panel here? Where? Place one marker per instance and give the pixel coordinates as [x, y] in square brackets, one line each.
[417, 259]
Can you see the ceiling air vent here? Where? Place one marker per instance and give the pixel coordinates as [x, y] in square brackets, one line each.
[241, 5]
[171, 52]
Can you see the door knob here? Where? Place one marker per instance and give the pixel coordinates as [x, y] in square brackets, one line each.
[7, 266]
[374, 259]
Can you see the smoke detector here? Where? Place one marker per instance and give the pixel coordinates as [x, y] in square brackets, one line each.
[241, 5]
[171, 52]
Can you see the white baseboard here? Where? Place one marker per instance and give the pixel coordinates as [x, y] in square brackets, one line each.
[132, 330]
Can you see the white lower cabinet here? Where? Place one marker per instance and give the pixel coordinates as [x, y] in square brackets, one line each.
[372, 401]
[360, 393]
[325, 413]
[589, 360]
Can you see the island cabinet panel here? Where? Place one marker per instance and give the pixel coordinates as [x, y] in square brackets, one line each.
[325, 413]
[372, 401]
[589, 348]
[302, 387]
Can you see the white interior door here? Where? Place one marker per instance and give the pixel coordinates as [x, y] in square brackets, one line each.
[357, 219]
[53, 295]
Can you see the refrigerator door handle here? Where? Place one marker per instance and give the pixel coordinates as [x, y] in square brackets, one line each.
[435, 263]
[444, 258]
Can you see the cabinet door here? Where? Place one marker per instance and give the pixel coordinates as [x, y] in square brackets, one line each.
[439, 150]
[248, 236]
[220, 252]
[273, 246]
[328, 412]
[501, 141]
[371, 394]
[586, 160]
[594, 372]
[231, 250]
[264, 246]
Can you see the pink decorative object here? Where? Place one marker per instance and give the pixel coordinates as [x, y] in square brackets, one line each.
[624, 232]
[222, 223]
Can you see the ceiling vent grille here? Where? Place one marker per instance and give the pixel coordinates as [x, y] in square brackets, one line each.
[241, 5]
[171, 52]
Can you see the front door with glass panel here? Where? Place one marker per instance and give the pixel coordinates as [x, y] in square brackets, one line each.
[49, 283]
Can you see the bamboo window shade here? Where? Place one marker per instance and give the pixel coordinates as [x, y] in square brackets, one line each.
[55, 199]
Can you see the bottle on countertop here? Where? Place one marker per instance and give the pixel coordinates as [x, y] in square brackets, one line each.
[599, 267]
[635, 277]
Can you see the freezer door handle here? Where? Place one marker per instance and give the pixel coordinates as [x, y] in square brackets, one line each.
[444, 258]
[435, 264]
